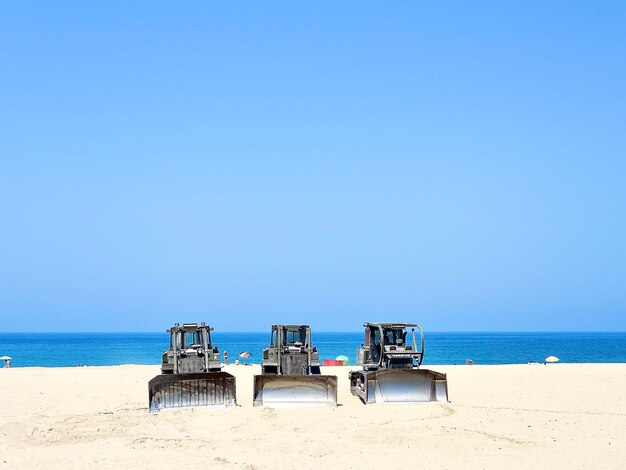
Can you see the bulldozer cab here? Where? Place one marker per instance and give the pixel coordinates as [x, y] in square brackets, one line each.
[385, 346]
[290, 335]
[190, 350]
[395, 336]
[290, 351]
[188, 339]
[190, 335]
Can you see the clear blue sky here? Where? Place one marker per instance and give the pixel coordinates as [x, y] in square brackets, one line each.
[460, 164]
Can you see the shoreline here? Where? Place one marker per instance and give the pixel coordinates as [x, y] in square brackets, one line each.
[423, 366]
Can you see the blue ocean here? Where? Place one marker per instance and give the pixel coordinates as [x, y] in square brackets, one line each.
[99, 349]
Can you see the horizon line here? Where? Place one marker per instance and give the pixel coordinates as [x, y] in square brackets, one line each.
[318, 331]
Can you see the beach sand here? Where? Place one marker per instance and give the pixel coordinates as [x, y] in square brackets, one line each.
[510, 416]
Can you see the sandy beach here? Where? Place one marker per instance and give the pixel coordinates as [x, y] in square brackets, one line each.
[510, 416]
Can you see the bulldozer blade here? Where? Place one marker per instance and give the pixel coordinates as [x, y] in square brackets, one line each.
[281, 391]
[206, 389]
[402, 386]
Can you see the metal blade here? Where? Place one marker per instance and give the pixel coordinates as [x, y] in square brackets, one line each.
[404, 386]
[205, 389]
[295, 390]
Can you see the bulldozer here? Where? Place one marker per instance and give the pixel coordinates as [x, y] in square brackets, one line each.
[191, 374]
[391, 367]
[290, 371]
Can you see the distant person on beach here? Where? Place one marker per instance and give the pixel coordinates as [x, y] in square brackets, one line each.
[237, 361]
[226, 357]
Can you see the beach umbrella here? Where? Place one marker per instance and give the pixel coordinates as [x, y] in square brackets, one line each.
[344, 359]
[5, 358]
[245, 355]
[551, 359]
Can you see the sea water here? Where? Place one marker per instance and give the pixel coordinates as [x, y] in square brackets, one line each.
[72, 349]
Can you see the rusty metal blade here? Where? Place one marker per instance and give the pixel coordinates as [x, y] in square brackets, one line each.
[204, 389]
